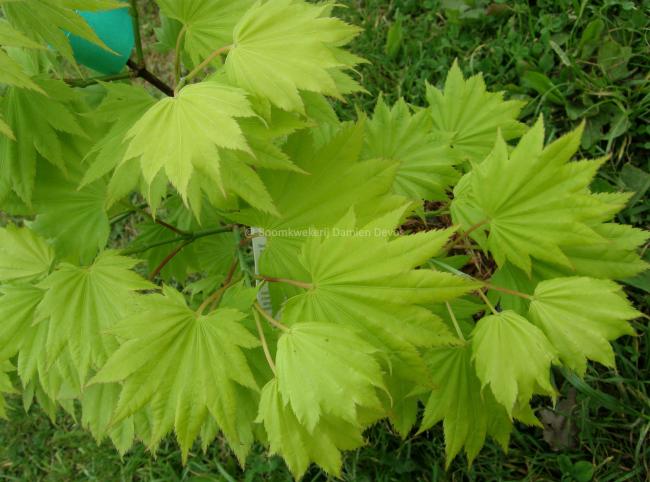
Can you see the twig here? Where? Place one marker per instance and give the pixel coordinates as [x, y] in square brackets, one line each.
[189, 237]
[265, 346]
[177, 60]
[455, 322]
[487, 302]
[199, 68]
[292, 282]
[464, 235]
[269, 318]
[143, 73]
[168, 258]
[216, 296]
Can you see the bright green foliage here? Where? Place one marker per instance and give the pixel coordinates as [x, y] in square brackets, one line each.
[468, 414]
[185, 366]
[530, 200]
[580, 316]
[425, 165]
[73, 217]
[23, 255]
[37, 120]
[466, 117]
[324, 368]
[284, 46]
[296, 444]
[372, 287]
[208, 24]
[179, 134]
[513, 357]
[79, 305]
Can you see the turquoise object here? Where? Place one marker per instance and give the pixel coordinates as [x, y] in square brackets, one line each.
[115, 28]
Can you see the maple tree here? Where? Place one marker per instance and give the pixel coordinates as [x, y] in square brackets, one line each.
[438, 259]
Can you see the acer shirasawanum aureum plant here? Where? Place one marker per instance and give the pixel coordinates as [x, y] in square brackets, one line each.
[224, 257]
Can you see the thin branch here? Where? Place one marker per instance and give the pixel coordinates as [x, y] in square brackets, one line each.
[101, 78]
[216, 296]
[508, 291]
[487, 302]
[177, 60]
[135, 19]
[199, 68]
[453, 319]
[292, 282]
[464, 235]
[265, 346]
[269, 318]
[173, 229]
[189, 237]
[143, 73]
[168, 258]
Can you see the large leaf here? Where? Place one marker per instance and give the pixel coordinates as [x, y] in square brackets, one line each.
[121, 108]
[5, 385]
[186, 367]
[468, 413]
[38, 122]
[530, 200]
[425, 166]
[513, 356]
[74, 218]
[466, 117]
[327, 369]
[183, 135]
[284, 46]
[298, 446]
[580, 316]
[208, 24]
[81, 303]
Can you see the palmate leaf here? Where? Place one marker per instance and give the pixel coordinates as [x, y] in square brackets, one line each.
[468, 413]
[24, 256]
[530, 200]
[425, 166]
[208, 24]
[466, 117]
[183, 135]
[371, 283]
[79, 306]
[38, 121]
[332, 182]
[327, 369]
[121, 108]
[299, 447]
[185, 367]
[284, 46]
[580, 316]
[513, 356]
[47, 21]
[74, 218]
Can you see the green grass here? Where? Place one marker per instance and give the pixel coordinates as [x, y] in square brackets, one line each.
[568, 59]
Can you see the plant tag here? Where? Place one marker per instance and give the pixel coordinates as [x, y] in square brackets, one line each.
[259, 244]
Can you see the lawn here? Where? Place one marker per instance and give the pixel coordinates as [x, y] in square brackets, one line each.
[570, 60]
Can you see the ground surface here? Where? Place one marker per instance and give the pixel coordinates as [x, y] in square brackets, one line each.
[569, 59]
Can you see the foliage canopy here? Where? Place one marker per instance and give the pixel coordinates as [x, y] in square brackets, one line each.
[440, 256]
